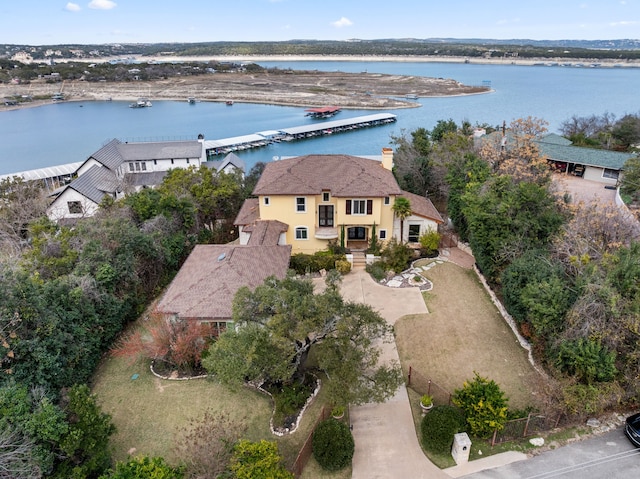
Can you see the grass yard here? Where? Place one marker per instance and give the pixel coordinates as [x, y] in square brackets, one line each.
[149, 411]
[463, 333]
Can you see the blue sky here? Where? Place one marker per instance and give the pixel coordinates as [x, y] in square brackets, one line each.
[42, 22]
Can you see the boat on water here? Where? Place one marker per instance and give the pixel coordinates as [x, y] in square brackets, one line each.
[140, 103]
[322, 112]
[191, 100]
[411, 96]
[229, 102]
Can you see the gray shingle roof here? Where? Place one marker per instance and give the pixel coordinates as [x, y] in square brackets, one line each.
[212, 274]
[342, 175]
[95, 183]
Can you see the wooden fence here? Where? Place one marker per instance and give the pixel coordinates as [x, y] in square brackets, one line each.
[307, 448]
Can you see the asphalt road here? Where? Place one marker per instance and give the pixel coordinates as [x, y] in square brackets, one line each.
[607, 456]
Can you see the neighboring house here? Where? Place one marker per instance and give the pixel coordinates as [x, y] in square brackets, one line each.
[604, 166]
[322, 198]
[204, 288]
[120, 167]
[230, 164]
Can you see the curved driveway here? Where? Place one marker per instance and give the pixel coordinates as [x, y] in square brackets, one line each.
[384, 434]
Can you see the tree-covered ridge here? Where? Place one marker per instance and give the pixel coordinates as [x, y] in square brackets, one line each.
[615, 49]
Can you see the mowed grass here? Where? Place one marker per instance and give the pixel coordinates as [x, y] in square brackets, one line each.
[149, 412]
[462, 334]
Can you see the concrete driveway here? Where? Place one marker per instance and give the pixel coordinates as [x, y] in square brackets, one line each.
[384, 434]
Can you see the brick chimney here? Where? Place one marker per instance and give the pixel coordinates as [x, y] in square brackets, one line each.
[387, 158]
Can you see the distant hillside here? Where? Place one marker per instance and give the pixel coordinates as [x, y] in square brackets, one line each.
[624, 49]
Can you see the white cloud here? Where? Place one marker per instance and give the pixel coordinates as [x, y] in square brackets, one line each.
[102, 4]
[624, 23]
[72, 7]
[343, 22]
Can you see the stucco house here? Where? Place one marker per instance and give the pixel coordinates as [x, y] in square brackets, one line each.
[204, 288]
[320, 198]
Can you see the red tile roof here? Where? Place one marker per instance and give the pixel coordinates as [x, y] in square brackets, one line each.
[341, 175]
[212, 274]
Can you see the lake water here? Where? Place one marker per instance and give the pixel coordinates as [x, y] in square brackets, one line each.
[69, 132]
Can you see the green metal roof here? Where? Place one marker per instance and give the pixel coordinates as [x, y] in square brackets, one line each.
[560, 151]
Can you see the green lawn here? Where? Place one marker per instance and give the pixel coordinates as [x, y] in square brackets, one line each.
[148, 412]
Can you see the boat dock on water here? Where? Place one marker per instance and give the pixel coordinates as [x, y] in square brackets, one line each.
[323, 112]
[264, 138]
[61, 175]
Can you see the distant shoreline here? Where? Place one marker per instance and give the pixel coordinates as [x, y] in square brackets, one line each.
[605, 63]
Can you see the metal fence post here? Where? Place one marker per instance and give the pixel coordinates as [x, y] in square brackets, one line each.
[409, 377]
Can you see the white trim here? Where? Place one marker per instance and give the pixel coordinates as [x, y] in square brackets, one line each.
[304, 204]
[266, 201]
[364, 202]
[382, 234]
[301, 228]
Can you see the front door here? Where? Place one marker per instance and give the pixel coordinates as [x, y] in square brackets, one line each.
[325, 215]
[357, 233]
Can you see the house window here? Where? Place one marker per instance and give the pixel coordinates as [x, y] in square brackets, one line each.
[301, 233]
[155, 162]
[611, 174]
[325, 196]
[265, 201]
[301, 205]
[358, 207]
[387, 201]
[75, 207]
[144, 166]
[382, 234]
[414, 233]
[131, 167]
[172, 161]
[187, 161]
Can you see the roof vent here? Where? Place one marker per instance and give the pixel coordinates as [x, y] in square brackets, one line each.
[222, 256]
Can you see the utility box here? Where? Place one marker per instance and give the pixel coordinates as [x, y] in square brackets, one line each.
[461, 448]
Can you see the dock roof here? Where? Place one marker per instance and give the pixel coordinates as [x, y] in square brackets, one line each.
[326, 125]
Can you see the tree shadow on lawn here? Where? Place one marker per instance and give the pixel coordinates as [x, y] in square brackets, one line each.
[463, 333]
[148, 411]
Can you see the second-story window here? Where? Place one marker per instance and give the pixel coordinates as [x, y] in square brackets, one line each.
[359, 207]
[325, 196]
[301, 205]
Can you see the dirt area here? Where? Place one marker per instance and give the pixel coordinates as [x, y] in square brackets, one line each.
[584, 190]
[298, 88]
[463, 333]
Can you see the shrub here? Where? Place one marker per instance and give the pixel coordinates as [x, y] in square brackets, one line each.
[258, 459]
[484, 405]
[439, 426]
[343, 266]
[429, 242]
[333, 445]
[376, 270]
[303, 263]
[396, 256]
[144, 468]
[589, 361]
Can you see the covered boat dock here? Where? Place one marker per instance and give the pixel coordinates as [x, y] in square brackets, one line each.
[228, 145]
